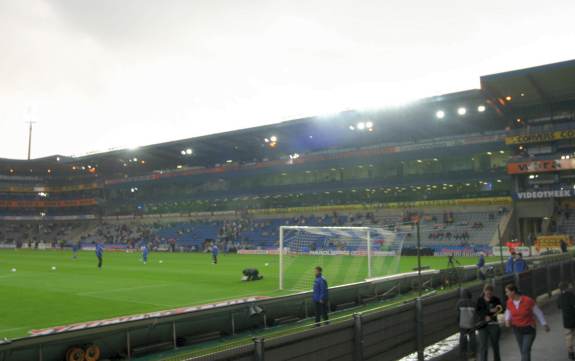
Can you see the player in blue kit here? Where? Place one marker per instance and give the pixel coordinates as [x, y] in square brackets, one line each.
[99, 254]
[215, 252]
[145, 252]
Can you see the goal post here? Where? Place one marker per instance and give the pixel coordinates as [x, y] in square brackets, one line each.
[350, 253]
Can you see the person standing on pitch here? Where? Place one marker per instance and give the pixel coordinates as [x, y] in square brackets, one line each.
[145, 252]
[521, 313]
[566, 303]
[215, 252]
[75, 249]
[320, 297]
[99, 254]
[481, 266]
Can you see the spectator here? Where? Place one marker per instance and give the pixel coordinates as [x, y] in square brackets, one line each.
[520, 265]
[520, 314]
[563, 246]
[466, 320]
[566, 302]
[487, 308]
[510, 264]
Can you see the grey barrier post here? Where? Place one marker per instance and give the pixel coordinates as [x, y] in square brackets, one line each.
[419, 329]
[128, 345]
[259, 348]
[571, 264]
[533, 283]
[548, 271]
[40, 353]
[358, 337]
[174, 334]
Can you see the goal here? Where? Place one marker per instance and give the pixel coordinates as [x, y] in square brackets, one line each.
[347, 254]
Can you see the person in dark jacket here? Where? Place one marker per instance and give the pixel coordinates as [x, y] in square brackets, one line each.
[510, 264]
[566, 303]
[487, 308]
[563, 246]
[466, 320]
[320, 296]
[520, 264]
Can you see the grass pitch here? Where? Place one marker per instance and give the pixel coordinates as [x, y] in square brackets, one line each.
[38, 296]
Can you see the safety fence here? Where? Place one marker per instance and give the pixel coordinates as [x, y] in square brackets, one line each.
[384, 331]
[392, 333]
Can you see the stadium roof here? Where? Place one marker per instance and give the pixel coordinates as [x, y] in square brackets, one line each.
[541, 85]
[350, 129]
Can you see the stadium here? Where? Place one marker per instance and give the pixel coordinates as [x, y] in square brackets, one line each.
[395, 205]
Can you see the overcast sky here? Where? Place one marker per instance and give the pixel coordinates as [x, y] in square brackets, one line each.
[100, 74]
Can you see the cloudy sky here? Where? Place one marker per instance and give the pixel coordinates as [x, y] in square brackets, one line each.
[101, 74]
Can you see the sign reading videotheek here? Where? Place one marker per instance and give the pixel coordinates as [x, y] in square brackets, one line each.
[563, 193]
[539, 166]
[541, 137]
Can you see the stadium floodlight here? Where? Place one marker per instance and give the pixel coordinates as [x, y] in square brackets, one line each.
[440, 114]
[361, 125]
[369, 251]
[461, 110]
[481, 108]
[273, 139]
[183, 152]
[351, 127]
[266, 140]
[189, 151]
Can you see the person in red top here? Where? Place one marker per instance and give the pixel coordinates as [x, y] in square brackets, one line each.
[521, 314]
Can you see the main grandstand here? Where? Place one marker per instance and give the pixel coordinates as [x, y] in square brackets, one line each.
[465, 173]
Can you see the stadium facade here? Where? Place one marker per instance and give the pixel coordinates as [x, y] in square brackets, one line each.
[508, 144]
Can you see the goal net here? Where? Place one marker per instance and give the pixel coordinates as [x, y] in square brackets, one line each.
[346, 254]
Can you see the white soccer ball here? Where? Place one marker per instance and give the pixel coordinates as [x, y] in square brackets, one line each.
[13, 269]
[53, 268]
[161, 261]
[267, 264]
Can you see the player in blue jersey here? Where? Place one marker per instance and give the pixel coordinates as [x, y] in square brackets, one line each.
[75, 249]
[145, 252]
[99, 254]
[215, 252]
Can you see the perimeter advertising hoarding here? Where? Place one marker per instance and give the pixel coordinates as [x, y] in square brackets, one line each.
[560, 193]
[541, 137]
[540, 166]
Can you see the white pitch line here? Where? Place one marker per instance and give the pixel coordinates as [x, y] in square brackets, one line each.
[12, 329]
[118, 290]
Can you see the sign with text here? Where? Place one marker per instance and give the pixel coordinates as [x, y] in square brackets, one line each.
[541, 137]
[561, 193]
[540, 166]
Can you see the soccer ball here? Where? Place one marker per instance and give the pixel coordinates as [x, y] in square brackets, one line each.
[53, 268]
[267, 264]
[13, 269]
[161, 261]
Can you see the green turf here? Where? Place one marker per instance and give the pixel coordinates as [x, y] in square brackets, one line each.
[36, 297]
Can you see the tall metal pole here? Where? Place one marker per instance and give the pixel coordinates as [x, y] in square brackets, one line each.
[369, 259]
[500, 247]
[418, 259]
[281, 252]
[30, 122]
